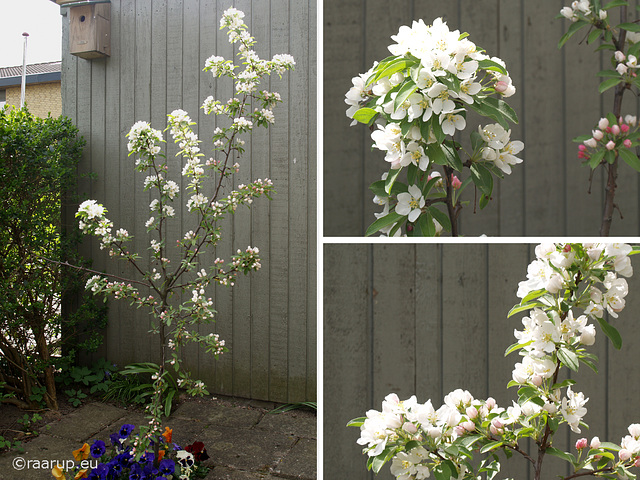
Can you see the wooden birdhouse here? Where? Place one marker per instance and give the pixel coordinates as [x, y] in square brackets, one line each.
[90, 30]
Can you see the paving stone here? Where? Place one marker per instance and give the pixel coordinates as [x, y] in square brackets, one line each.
[300, 461]
[216, 414]
[246, 449]
[86, 422]
[39, 457]
[299, 424]
[224, 473]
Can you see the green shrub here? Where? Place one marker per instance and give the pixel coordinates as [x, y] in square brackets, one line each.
[38, 160]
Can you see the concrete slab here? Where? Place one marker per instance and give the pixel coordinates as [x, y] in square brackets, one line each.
[300, 461]
[225, 473]
[214, 413]
[254, 451]
[86, 422]
[243, 441]
[300, 424]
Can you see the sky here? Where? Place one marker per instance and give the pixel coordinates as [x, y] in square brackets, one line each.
[41, 19]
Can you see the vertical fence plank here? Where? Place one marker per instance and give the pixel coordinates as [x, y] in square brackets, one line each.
[346, 356]
[344, 190]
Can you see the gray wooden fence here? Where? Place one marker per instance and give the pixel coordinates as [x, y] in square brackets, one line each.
[158, 50]
[426, 319]
[556, 100]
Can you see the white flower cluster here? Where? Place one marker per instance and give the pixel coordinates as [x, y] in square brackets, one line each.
[404, 421]
[582, 9]
[143, 139]
[180, 128]
[500, 150]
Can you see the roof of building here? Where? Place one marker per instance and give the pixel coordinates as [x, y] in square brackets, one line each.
[36, 73]
[36, 68]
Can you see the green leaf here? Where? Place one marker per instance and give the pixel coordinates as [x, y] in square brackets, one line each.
[516, 346]
[491, 446]
[523, 307]
[382, 222]
[568, 358]
[607, 73]
[437, 130]
[356, 422]
[611, 332]
[426, 226]
[568, 382]
[615, 3]
[596, 158]
[412, 173]
[502, 107]
[605, 46]
[593, 36]
[629, 158]
[482, 178]
[452, 158]
[365, 115]
[407, 89]
[629, 27]
[378, 188]
[484, 201]
[533, 295]
[391, 179]
[441, 217]
[394, 66]
[491, 65]
[609, 83]
[573, 29]
[560, 454]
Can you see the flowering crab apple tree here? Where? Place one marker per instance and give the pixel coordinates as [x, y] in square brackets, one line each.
[167, 275]
[415, 101]
[615, 137]
[569, 288]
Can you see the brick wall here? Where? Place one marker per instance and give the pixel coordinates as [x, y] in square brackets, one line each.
[41, 98]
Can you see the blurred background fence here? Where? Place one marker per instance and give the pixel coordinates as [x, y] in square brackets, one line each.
[426, 319]
[556, 100]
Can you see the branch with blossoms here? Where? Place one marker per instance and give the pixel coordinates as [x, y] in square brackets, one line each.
[462, 438]
[162, 279]
[415, 101]
[614, 137]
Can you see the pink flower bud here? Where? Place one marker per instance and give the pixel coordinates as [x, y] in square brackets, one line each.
[620, 57]
[496, 422]
[469, 426]
[595, 443]
[501, 87]
[581, 443]
[624, 128]
[597, 134]
[610, 145]
[637, 462]
[615, 129]
[624, 454]
[536, 380]
[459, 429]
[472, 412]
[603, 123]
[491, 403]
[582, 148]
[409, 427]
[455, 182]
[627, 143]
